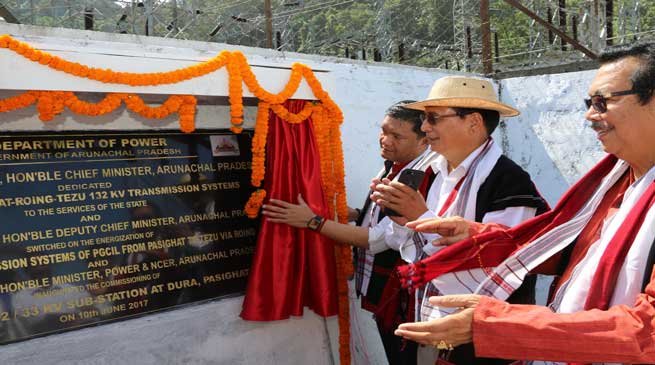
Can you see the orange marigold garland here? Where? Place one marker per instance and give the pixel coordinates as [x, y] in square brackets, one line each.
[235, 86]
[342, 252]
[187, 113]
[334, 112]
[110, 76]
[327, 118]
[321, 128]
[339, 175]
[52, 103]
[107, 105]
[18, 101]
[137, 105]
[251, 82]
[259, 145]
[255, 203]
[283, 113]
[326, 131]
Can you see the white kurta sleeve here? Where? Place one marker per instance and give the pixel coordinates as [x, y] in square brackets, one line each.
[399, 238]
[428, 247]
[510, 216]
[377, 241]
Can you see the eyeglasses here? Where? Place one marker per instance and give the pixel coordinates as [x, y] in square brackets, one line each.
[599, 101]
[433, 118]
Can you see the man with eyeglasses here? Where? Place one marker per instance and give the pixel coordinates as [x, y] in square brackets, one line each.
[598, 241]
[471, 178]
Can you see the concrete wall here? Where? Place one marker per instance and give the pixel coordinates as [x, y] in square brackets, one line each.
[548, 139]
[551, 138]
[209, 333]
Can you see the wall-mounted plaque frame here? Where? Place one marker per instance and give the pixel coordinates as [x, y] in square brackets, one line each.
[98, 226]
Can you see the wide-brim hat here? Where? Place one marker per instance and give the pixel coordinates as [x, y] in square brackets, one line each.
[464, 92]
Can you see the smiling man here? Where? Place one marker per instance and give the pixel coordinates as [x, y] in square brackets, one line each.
[599, 241]
[471, 178]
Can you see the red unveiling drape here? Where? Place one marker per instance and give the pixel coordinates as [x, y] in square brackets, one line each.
[291, 268]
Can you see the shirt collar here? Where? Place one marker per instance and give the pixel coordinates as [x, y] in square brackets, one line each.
[441, 165]
[417, 160]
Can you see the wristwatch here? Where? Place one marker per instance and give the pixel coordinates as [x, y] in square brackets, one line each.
[316, 223]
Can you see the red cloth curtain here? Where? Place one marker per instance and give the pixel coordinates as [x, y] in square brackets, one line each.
[292, 267]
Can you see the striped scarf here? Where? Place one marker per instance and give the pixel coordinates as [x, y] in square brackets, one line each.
[370, 216]
[496, 263]
[460, 202]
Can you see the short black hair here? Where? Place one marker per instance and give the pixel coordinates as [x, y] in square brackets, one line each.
[491, 118]
[398, 111]
[643, 79]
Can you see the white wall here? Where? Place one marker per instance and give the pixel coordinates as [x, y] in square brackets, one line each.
[548, 139]
[209, 333]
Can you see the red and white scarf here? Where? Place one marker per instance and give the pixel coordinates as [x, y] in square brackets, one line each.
[461, 201]
[365, 257]
[496, 263]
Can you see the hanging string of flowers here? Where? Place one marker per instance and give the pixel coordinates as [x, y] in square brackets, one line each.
[18, 101]
[343, 253]
[239, 72]
[326, 118]
[235, 87]
[187, 113]
[259, 145]
[110, 76]
[283, 113]
[108, 104]
[251, 82]
[52, 103]
[321, 126]
[254, 203]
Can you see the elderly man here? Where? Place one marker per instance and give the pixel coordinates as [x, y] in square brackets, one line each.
[598, 239]
[402, 146]
[471, 178]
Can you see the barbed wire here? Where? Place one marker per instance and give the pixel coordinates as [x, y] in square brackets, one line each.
[431, 34]
[332, 5]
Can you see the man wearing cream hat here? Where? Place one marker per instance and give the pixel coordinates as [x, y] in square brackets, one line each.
[471, 178]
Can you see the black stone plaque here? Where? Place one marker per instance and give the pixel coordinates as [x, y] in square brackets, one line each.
[100, 226]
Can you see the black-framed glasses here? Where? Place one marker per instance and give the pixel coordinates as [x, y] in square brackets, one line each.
[432, 118]
[599, 101]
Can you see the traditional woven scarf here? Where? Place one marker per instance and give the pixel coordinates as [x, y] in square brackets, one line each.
[461, 201]
[365, 258]
[495, 263]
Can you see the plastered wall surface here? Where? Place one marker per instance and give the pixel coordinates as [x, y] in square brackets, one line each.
[549, 140]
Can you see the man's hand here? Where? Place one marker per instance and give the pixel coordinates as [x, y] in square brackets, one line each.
[455, 329]
[451, 229]
[374, 182]
[353, 214]
[401, 198]
[399, 220]
[295, 215]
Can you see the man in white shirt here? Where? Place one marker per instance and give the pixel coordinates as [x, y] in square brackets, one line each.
[471, 179]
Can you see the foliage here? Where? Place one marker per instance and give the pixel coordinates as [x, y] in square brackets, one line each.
[420, 32]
